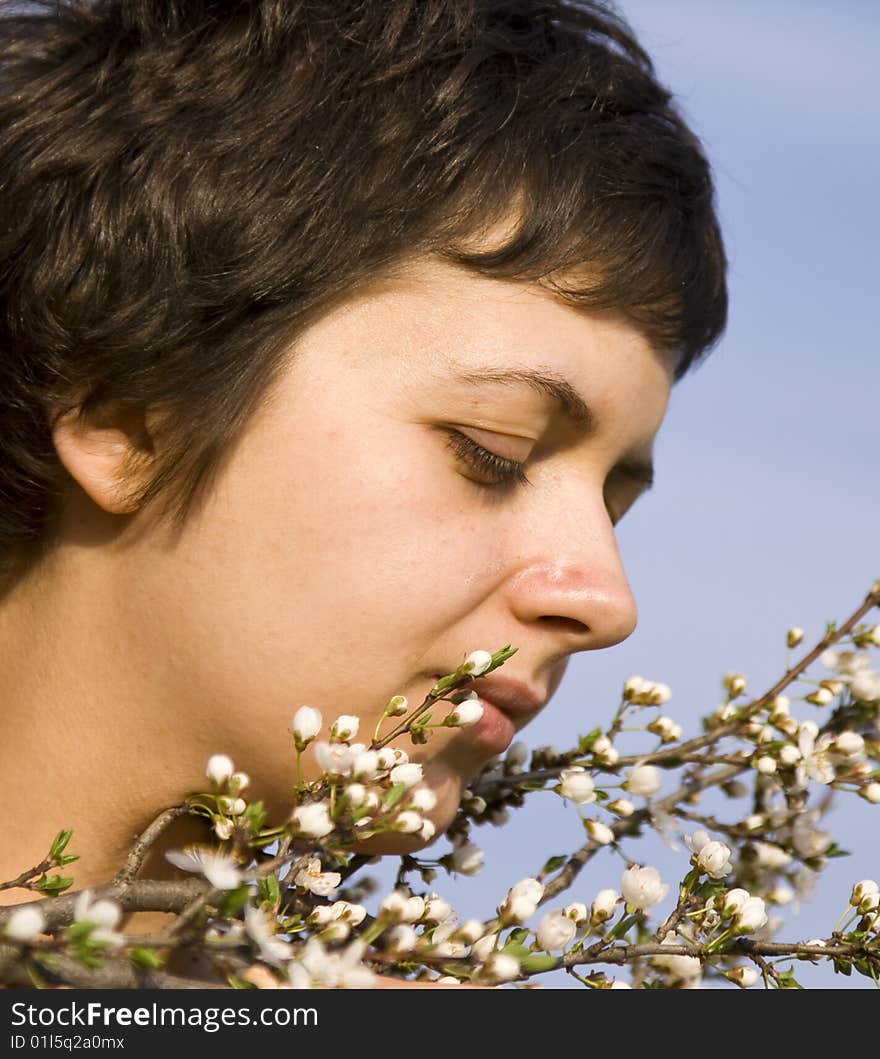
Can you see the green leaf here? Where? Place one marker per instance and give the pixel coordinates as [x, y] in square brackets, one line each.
[235, 900]
[393, 796]
[68, 858]
[52, 885]
[269, 890]
[255, 814]
[146, 958]
[537, 962]
[59, 843]
[585, 742]
[517, 936]
[512, 949]
[554, 864]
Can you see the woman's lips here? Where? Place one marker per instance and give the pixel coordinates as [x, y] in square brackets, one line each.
[508, 706]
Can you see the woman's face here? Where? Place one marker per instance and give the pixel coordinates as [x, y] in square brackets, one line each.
[347, 553]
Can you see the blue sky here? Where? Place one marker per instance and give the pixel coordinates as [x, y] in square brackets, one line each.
[766, 512]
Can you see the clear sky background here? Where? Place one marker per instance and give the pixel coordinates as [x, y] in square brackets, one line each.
[766, 511]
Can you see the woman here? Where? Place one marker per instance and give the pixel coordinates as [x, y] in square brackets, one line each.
[335, 340]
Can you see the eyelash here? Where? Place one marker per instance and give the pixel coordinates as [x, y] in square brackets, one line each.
[505, 472]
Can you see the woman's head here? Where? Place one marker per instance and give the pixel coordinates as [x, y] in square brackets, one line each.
[185, 185]
[259, 263]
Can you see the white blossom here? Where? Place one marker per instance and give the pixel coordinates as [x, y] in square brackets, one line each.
[335, 759]
[577, 912]
[306, 725]
[315, 968]
[603, 906]
[104, 914]
[219, 769]
[516, 757]
[408, 774]
[576, 784]
[427, 830]
[642, 887]
[464, 715]
[483, 947]
[770, 856]
[599, 832]
[849, 743]
[681, 968]
[871, 793]
[477, 662]
[794, 636]
[467, 859]
[401, 939]
[272, 949]
[521, 901]
[316, 881]
[555, 930]
[620, 807]
[643, 780]
[238, 781]
[865, 895]
[313, 819]
[604, 751]
[25, 923]
[866, 686]
[750, 916]
[345, 728]
[500, 967]
[219, 869]
[712, 858]
[744, 976]
[437, 910]
[407, 822]
[666, 728]
[765, 764]
[423, 799]
[401, 907]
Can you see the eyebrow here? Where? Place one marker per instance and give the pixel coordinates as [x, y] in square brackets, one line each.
[569, 404]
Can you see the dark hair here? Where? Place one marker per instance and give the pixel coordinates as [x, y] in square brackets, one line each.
[185, 184]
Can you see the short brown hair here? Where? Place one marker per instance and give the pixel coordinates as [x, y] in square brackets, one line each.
[184, 184]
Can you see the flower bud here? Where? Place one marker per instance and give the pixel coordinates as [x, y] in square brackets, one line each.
[849, 743]
[577, 913]
[477, 662]
[871, 793]
[397, 706]
[789, 754]
[599, 832]
[734, 684]
[643, 780]
[865, 895]
[576, 784]
[407, 822]
[621, 807]
[555, 931]
[25, 924]
[603, 906]
[306, 725]
[499, 967]
[219, 769]
[409, 774]
[820, 697]
[466, 859]
[745, 976]
[466, 714]
[344, 728]
[765, 765]
[794, 636]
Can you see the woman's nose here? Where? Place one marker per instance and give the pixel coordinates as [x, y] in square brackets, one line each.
[573, 578]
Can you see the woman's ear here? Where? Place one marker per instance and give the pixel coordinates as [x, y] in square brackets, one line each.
[100, 449]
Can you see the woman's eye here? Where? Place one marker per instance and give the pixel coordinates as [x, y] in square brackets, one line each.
[498, 469]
